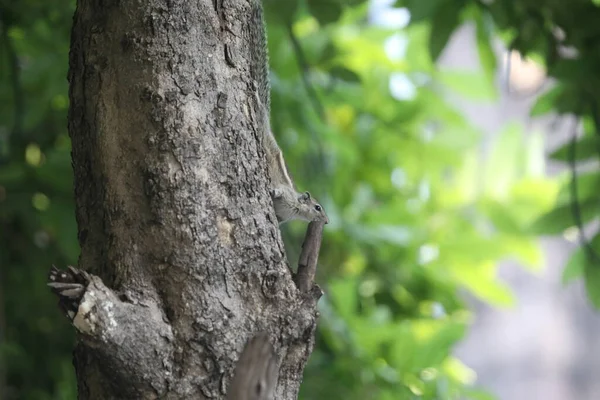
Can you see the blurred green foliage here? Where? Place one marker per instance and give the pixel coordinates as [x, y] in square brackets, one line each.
[418, 214]
[37, 221]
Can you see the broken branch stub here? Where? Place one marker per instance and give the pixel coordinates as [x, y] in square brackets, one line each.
[256, 371]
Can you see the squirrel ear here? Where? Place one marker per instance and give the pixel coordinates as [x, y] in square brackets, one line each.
[304, 197]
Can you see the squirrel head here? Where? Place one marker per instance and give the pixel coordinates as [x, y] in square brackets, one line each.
[310, 209]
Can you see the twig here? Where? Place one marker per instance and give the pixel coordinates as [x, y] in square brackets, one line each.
[595, 117]
[575, 208]
[304, 68]
[310, 91]
[307, 263]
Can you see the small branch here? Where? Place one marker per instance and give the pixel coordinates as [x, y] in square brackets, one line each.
[595, 117]
[594, 112]
[307, 263]
[575, 208]
[256, 371]
[304, 68]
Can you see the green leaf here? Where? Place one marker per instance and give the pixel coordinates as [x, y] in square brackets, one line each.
[575, 266]
[592, 283]
[585, 148]
[439, 345]
[564, 98]
[328, 54]
[345, 74]
[546, 102]
[483, 36]
[12, 174]
[505, 161]
[480, 279]
[471, 85]
[344, 295]
[57, 171]
[325, 11]
[421, 10]
[443, 25]
[587, 188]
[581, 260]
[560, 218]
[478, 394]
[275, 12]
[571, 69]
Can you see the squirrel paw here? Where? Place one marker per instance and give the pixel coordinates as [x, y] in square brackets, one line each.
[69, 286]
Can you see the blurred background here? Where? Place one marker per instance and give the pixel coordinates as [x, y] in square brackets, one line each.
[454, 144]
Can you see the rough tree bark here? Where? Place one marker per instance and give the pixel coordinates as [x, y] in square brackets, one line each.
[176, 226]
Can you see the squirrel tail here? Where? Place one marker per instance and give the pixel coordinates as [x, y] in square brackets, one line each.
[259, 71]
[259, 68]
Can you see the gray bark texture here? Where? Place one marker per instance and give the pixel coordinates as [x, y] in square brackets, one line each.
[176, 226]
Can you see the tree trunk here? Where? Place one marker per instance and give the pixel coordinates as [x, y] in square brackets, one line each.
[175, 220]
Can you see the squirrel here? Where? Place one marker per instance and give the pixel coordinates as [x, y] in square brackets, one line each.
[289, 203]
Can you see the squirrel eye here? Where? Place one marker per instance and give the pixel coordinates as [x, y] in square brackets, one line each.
[318, 207]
